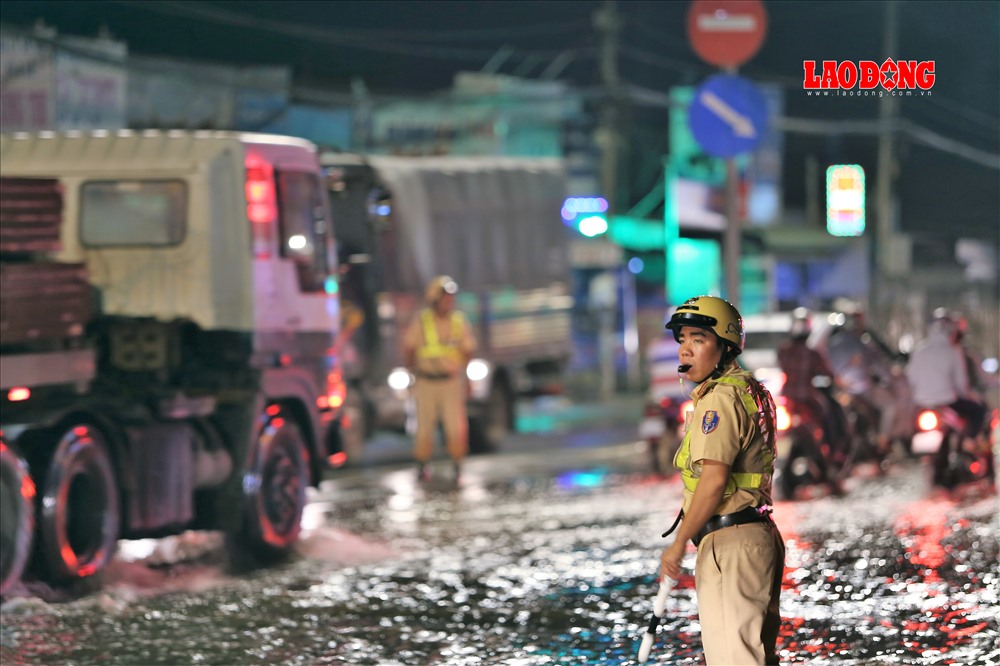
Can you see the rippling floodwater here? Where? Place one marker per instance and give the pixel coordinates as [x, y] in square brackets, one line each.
[536, 567]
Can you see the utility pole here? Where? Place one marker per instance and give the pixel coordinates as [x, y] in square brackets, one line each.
[733, 236]
[608, 24]
[888, 110]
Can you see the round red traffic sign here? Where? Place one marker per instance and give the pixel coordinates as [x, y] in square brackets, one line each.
[726, 33]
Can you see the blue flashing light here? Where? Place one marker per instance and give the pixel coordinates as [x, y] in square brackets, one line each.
[573, 206]
[635, 265]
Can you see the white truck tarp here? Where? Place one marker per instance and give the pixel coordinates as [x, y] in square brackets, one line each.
[454, 215]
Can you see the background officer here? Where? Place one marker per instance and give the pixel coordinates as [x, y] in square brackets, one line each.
[727, 463]
[437, 347]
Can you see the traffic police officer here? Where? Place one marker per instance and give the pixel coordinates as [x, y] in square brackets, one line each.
[437, 347]
[727, 462]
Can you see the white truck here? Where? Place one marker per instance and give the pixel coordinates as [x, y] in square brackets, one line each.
[167, 337]
[494, 225]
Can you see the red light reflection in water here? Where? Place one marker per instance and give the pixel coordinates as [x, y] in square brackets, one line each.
[924, 527]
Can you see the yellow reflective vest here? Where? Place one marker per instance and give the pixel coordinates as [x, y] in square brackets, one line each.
[759, 406]
[433, 348]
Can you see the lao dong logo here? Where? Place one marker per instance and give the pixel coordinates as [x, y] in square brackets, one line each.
[867, 78]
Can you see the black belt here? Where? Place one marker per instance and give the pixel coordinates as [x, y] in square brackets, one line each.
[434, 376]
[751, 514]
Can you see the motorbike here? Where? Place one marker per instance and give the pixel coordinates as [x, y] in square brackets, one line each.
[956, 459]
[662, 429]
[805, 457]
[863, 444]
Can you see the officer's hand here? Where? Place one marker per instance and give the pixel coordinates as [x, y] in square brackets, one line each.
[670, 560]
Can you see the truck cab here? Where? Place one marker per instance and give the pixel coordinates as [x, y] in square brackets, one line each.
[214, 394]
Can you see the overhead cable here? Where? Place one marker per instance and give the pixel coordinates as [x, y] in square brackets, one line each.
[367, 40]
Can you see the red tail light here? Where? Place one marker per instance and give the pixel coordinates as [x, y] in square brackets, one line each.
[335, 391]
[18, 393]
[262, 207]
[782, 419]
[927, 420]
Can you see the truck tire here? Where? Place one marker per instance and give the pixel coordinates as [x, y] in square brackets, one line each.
[80, 515]
[359, 426]
[17, 517]
[499, 414]
[494, 422]
[274, 488]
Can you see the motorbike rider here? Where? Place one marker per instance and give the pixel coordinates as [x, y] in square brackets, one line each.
[727, 462]
[664, 400]
[864, 376]
[938, 373]
[804, 369]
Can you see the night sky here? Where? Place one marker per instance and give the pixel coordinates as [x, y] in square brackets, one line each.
[416, 47]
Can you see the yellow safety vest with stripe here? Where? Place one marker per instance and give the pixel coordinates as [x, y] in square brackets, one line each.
[758, 405]
[432, 347]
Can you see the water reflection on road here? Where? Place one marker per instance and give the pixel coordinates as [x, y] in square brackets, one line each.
[538, 563]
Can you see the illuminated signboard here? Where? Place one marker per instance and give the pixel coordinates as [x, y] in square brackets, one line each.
[845, 200]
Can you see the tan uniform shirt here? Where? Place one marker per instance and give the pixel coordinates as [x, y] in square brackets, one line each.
[721, 430]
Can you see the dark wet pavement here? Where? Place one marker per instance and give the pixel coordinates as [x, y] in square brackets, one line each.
[540, 556]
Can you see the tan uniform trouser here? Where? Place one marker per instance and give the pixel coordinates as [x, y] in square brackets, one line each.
[738, 579]
[440, 400]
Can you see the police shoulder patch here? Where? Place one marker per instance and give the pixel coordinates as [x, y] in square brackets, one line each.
[710, 421]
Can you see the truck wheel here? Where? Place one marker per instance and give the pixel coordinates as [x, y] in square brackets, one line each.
[490, 426]
[499, 414]
[274, 488]
[17, 517]
[358, 428]
[79, 517]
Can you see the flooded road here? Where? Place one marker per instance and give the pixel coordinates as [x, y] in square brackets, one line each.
[536, 557]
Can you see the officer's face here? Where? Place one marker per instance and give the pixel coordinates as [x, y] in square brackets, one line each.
[445, 304]
[701, 350]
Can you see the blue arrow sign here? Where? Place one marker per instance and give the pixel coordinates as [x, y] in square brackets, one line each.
[728, 115]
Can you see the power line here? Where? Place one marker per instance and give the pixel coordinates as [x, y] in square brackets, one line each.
[972, 115]
[368, 40]
[664, 62]
[908, 128]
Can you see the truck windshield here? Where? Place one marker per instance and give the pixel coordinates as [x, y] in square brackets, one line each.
[304, 232]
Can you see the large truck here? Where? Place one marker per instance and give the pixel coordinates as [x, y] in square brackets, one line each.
[493, 224]
[167, 353]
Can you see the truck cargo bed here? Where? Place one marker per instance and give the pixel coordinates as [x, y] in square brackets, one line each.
[30, 214]
[42, 301]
